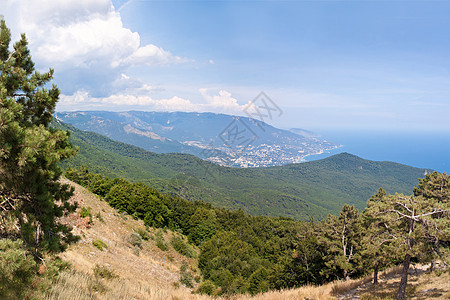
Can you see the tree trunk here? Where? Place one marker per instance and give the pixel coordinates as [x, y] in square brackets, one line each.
[375, 274]
[406, 263]
[431, 269]
[402, 287]
[346, 275]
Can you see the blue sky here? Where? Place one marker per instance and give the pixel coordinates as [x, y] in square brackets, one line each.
[327, 64]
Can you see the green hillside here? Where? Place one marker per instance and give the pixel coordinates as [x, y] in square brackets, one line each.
[297, 191]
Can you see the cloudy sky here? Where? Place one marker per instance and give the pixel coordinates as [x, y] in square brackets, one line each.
[326, 64]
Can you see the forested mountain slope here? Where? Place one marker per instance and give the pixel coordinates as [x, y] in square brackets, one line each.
[297, 190]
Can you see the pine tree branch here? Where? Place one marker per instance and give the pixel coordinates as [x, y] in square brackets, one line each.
[415, 218]
[404, 206]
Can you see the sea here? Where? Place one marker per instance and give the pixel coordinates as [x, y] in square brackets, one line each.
[427, 149]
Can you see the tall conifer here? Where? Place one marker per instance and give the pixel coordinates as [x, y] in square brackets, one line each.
[31, 196]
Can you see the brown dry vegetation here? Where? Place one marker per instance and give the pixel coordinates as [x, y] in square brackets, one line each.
[150, 273]
[421, 285]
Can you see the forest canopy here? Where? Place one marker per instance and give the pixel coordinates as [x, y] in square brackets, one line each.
[241, 253]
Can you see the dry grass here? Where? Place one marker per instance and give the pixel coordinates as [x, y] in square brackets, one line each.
[345, 289]
[421, 285]
[344, 286]
[306, 292]
[83, 286]
[148, 267]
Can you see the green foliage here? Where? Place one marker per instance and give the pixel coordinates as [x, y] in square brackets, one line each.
[99, 217]
[306, 264]
[160, 242]
[379, 249]
[434, 186]
[143, 233]
[417, 226]
[207, 287]
[230, 262]
[240, 253]
[17, 269]
[258, 281]
[30, 150]
[183, 247]
[104, 272]
[99, 244]
[86, 212]
[434, 190]
[203, 225]
[186, 277]
[341, 237]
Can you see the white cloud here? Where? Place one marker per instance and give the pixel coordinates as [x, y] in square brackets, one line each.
[91, 50]
[222, 102]
[82, 33]
[80, 96]
[84, 40]
[132, 86]
[70, 102]
[150, 55]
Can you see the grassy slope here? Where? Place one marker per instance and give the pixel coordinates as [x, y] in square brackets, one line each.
[139, 276]
[298, 190]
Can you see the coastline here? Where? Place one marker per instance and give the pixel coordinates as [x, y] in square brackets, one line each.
[322, 153]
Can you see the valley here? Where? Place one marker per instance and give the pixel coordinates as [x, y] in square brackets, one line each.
[227, 140]
[299, 191]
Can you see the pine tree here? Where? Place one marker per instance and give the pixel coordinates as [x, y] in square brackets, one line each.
[17, 268]
[412, 223]
[31, 197]
[435, 188]
[341, 237]
[379, 246]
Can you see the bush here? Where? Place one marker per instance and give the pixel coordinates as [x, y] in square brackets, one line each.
[17, 269]
[143, 233]
[54, 265]
[99, 217]
[104, 272]
[182, 247]
[161, 245]
[99, 244]
[135, 240]
[96, 286]
[207, 287]
[160, 242]
[186, 277]
[86, 212]
[258, 281]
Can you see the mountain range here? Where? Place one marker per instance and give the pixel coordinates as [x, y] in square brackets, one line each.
[224, 139]
[299, 191]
